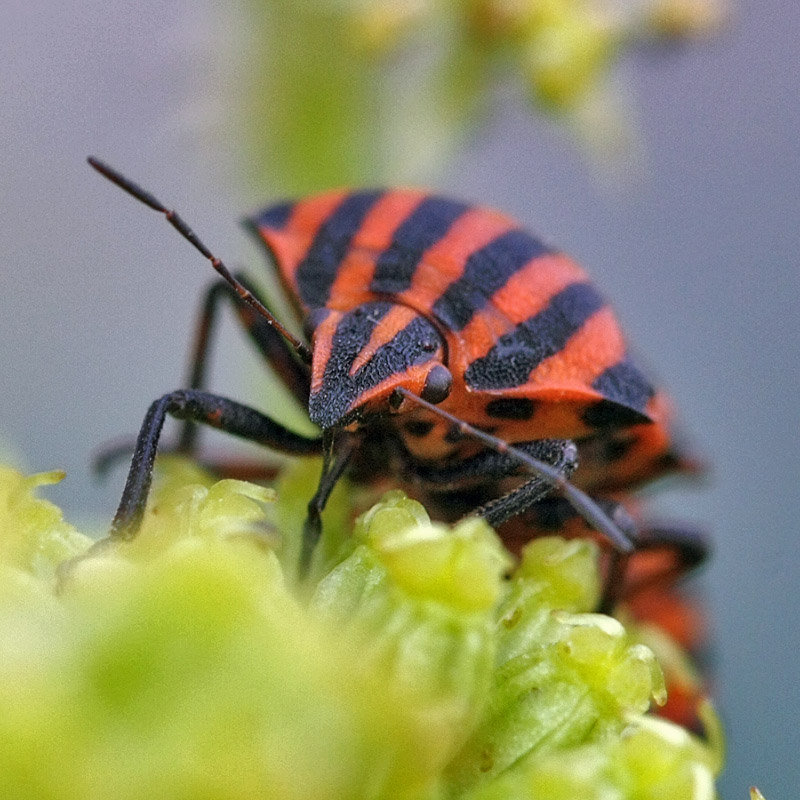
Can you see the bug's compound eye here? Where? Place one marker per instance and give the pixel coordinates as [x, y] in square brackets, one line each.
[437, 385]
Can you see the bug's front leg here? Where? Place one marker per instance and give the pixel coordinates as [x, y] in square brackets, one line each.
[336, 457]
[561, 454]
[208, 409]
[269, 343]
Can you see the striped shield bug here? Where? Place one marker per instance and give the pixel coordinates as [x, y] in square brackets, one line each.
[445, 347]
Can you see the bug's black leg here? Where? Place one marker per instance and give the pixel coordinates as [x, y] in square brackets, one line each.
[503, 508]
[490, 464]
[209, 409]
[270, 344]
[561, 454]
[336, 456]
[580, 501]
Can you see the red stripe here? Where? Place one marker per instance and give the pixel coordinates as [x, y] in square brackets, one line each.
[292, 242]
[354, 276]
[444, 263]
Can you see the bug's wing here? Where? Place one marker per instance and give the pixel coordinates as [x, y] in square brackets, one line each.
[524, 322]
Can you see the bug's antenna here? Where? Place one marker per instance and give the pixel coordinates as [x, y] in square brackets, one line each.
[177, 222]
[578, 499]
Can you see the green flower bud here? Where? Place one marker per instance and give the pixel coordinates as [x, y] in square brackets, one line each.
[189, 662]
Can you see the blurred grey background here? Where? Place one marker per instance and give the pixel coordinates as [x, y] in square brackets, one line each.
[699, 251]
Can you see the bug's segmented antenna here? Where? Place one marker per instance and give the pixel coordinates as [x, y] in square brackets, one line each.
[578, 499]
[178, 223]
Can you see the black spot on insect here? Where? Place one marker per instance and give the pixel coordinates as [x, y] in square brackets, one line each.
[418, 428]
[615, 449]
[510, 408]
[607, 414]
[453, 435]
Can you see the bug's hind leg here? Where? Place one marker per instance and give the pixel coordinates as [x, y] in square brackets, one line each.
[208, 409]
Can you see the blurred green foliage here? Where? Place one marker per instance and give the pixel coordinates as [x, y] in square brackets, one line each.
[189, 662]
[354, 92]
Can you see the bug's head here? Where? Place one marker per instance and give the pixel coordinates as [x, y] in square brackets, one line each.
[363, 355]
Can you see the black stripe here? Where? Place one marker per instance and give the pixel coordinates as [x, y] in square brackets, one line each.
[627, 392]
[624, 383]
[337, 392]
[414, 344]
[273, 217]
[511, 408]
[486, 271]
[426, 225]
[317, 271]
[510, 362]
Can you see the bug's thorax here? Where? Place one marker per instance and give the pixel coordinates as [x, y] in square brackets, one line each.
[362, 355]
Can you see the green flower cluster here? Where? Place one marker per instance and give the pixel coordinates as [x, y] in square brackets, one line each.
[418, 662]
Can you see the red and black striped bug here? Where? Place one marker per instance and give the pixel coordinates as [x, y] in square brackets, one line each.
[447, 348]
